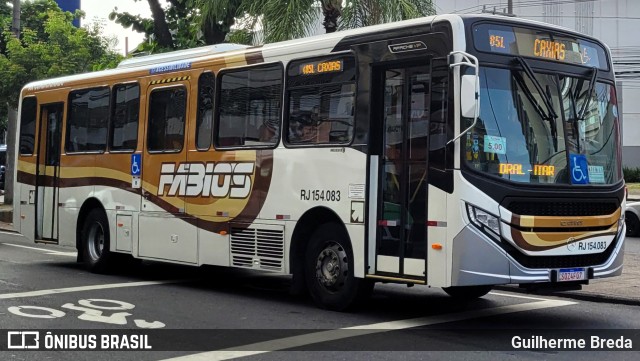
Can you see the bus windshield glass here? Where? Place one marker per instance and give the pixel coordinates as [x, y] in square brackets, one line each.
[562, 130]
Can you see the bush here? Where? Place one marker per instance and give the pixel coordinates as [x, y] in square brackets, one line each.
[631, 175]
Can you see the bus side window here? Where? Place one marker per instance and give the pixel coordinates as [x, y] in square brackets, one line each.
[321, 102]
[87, 120]
[123, 132]
[204, 120]
[28, 125]
[167, 108]
[249, 107]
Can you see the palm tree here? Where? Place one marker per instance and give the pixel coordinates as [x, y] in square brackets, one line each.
[289, 19]
[358, 13]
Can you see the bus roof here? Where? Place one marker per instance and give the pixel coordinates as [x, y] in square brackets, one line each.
[307, 45]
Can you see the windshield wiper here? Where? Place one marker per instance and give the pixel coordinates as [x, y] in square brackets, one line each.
[551, 113]
[587, 102]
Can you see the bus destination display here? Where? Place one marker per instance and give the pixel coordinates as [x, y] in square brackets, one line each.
[321, 67]
[538, 44]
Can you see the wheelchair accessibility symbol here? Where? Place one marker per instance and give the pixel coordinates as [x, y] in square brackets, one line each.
[579, 169]
[136, 164]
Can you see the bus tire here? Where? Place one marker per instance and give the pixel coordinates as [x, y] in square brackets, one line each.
[329, 270]
[95, 241]
[633, 224]
[467, 292]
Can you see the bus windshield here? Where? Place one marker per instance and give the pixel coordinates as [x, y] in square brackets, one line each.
[562, 130]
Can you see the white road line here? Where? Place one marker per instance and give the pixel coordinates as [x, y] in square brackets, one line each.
[332, 335]
[518, 296]
[84, 288]
[46, 251]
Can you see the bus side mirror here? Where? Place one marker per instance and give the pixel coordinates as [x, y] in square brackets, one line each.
[468, 101]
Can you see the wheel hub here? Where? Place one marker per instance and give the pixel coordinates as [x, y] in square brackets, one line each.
[332, 267]
[96, 240]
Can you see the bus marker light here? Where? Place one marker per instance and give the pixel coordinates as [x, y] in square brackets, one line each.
[120, 224]
[436, 223]
[436, 246]
[223, 233]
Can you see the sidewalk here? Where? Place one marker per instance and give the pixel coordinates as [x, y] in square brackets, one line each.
[624, 289]
[6, 215]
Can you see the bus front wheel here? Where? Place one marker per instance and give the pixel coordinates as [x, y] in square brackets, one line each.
[329, 270]
[95, 241]
[467, 292]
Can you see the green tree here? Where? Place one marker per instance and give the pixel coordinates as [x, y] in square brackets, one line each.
[179, 25]
[183, 24]
[283, 20]
[49, 46]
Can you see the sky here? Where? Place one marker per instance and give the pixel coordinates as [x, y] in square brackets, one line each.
[100, 9]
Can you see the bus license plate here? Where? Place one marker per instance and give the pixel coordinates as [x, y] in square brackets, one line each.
[572, 274]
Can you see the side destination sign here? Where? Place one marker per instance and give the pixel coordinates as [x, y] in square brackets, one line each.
[170, 67]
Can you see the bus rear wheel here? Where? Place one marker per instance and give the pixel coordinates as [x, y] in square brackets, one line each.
[95, 241]
[467, 292]
[329, 270]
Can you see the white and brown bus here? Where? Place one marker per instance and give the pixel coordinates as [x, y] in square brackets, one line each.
[452, 151]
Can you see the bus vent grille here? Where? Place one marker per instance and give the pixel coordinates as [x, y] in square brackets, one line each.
[562, 208]
[257, 246]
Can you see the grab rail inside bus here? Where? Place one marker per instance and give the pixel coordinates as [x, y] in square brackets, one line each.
[469, 87]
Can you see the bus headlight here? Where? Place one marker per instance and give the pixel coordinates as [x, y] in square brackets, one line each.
[484, 220]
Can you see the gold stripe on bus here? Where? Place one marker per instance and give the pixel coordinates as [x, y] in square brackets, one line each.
[26, 167]
[546, 239]
[235, 60]
[568, 222]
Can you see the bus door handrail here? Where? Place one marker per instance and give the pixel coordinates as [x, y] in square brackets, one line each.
[471, 61]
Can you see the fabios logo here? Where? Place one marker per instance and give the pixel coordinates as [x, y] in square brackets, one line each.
[220, 180]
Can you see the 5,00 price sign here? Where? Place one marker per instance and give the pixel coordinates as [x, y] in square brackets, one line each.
[493, 144]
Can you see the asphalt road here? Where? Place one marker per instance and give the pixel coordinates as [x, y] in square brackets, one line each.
[223, 314]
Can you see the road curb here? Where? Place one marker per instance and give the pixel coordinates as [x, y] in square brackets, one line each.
[600, 298]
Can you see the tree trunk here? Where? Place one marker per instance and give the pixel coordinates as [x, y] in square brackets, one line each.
[213, 33]
[331, 11]
[160, 27]
[12, 117]
[15, 25]
[11, 163]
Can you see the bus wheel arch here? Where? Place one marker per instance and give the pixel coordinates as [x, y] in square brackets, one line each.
[304, 229]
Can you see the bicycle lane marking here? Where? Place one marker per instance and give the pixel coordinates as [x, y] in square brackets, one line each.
[354, 331]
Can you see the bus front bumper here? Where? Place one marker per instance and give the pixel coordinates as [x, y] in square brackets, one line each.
[478, 260]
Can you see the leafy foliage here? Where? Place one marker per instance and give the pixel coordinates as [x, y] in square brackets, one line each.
[180, 24]
[184, 24]
[358, 13]
[631, 174]
[49, 46]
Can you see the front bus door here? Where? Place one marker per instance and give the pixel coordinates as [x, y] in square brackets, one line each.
[401, 244]
[48, 171]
